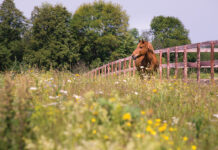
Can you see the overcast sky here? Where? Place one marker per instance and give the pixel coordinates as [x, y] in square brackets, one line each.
[200, 17]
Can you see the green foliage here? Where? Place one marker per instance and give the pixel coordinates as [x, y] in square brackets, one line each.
[101, 32]
[169, 32]
[51, 41]
[12, 28]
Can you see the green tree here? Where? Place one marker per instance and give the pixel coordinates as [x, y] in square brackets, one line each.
[101, 31]
[169, 32]
[12, 27]
[51, 41]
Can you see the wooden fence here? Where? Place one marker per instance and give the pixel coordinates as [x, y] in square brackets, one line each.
[127, 65]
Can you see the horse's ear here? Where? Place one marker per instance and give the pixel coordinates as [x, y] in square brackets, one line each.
[143, 41]
[150, 47]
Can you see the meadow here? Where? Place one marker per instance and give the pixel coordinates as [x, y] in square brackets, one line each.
[52, 110]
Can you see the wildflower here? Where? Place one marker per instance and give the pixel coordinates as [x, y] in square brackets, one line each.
[51, 104]
[69, 81]
[194, 147]
[77, 97]
[185, 138]
[129, 124]
[150, 130]
[138, 135]
[63, 92]
[106, 137]
[142, 113]
[136, 93]
[94, 132]
[165, 137]
[154, 90]
[172, 129]
[175, 120]
[162, 128]
[95, 113]
[77, 75]
[53, 97]
[127, 116]
[117, 82]
[158, 120]
[174, 77]
[33, 88]
[215, 115]
[93, 120]
[150, 122]
[124, 81]
[153, 132]
[112, 99]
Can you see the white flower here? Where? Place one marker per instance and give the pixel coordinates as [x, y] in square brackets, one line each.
[142, 67]
[136, 93]
[51, 79]
[33, 88]
[175, 120]
[117, 82]
[99, 92]
[124, 81]
[77, 97]
[215, 115]
[63, 92]
[51, 104]
[69, 81]
[53, 97]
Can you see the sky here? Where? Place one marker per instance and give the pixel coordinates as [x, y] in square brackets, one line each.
[200, 17]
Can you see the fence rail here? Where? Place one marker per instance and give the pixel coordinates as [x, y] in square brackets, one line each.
[127, 65]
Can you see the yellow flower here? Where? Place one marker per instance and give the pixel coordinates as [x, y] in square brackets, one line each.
[142, 113]
[93, 120]
[185, 138]
[106, 137]
[158, 120]
[150, 122]
[154, 90]
[77, 75]
[129, 124]
[138, 135]
[162, 128]
[172, 129]
[153, 132]
[112, 99]
[95, 113]
[127, 116]
[94, 132]
[194, 147]
[148, 129]
[165, 137]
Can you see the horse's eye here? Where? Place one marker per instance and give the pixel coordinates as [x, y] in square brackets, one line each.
[140, 47]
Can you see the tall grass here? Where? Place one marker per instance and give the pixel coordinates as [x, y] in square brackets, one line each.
[60, 110]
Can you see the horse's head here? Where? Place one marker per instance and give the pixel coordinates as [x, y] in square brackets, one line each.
[142, 48]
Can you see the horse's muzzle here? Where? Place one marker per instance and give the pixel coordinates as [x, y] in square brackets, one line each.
[133, 57]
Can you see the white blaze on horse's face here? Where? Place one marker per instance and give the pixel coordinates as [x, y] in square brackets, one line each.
[141, 49]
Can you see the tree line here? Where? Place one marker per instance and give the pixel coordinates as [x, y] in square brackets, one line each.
[95, 34]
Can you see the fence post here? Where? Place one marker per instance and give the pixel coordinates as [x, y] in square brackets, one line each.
[119, 67]
[176, 62]
[108, 69]
[112, 68]
[116, 67]
[160, 66]
[185, 64]
[212, 62]
[130, 66]
[124, 67]
[105, 71]
[168, 63]
[198, 62]
[133, 67]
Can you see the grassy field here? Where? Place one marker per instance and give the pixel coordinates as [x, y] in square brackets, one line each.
[42, 110]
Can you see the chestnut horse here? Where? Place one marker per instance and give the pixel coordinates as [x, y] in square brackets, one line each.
[145, 58]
